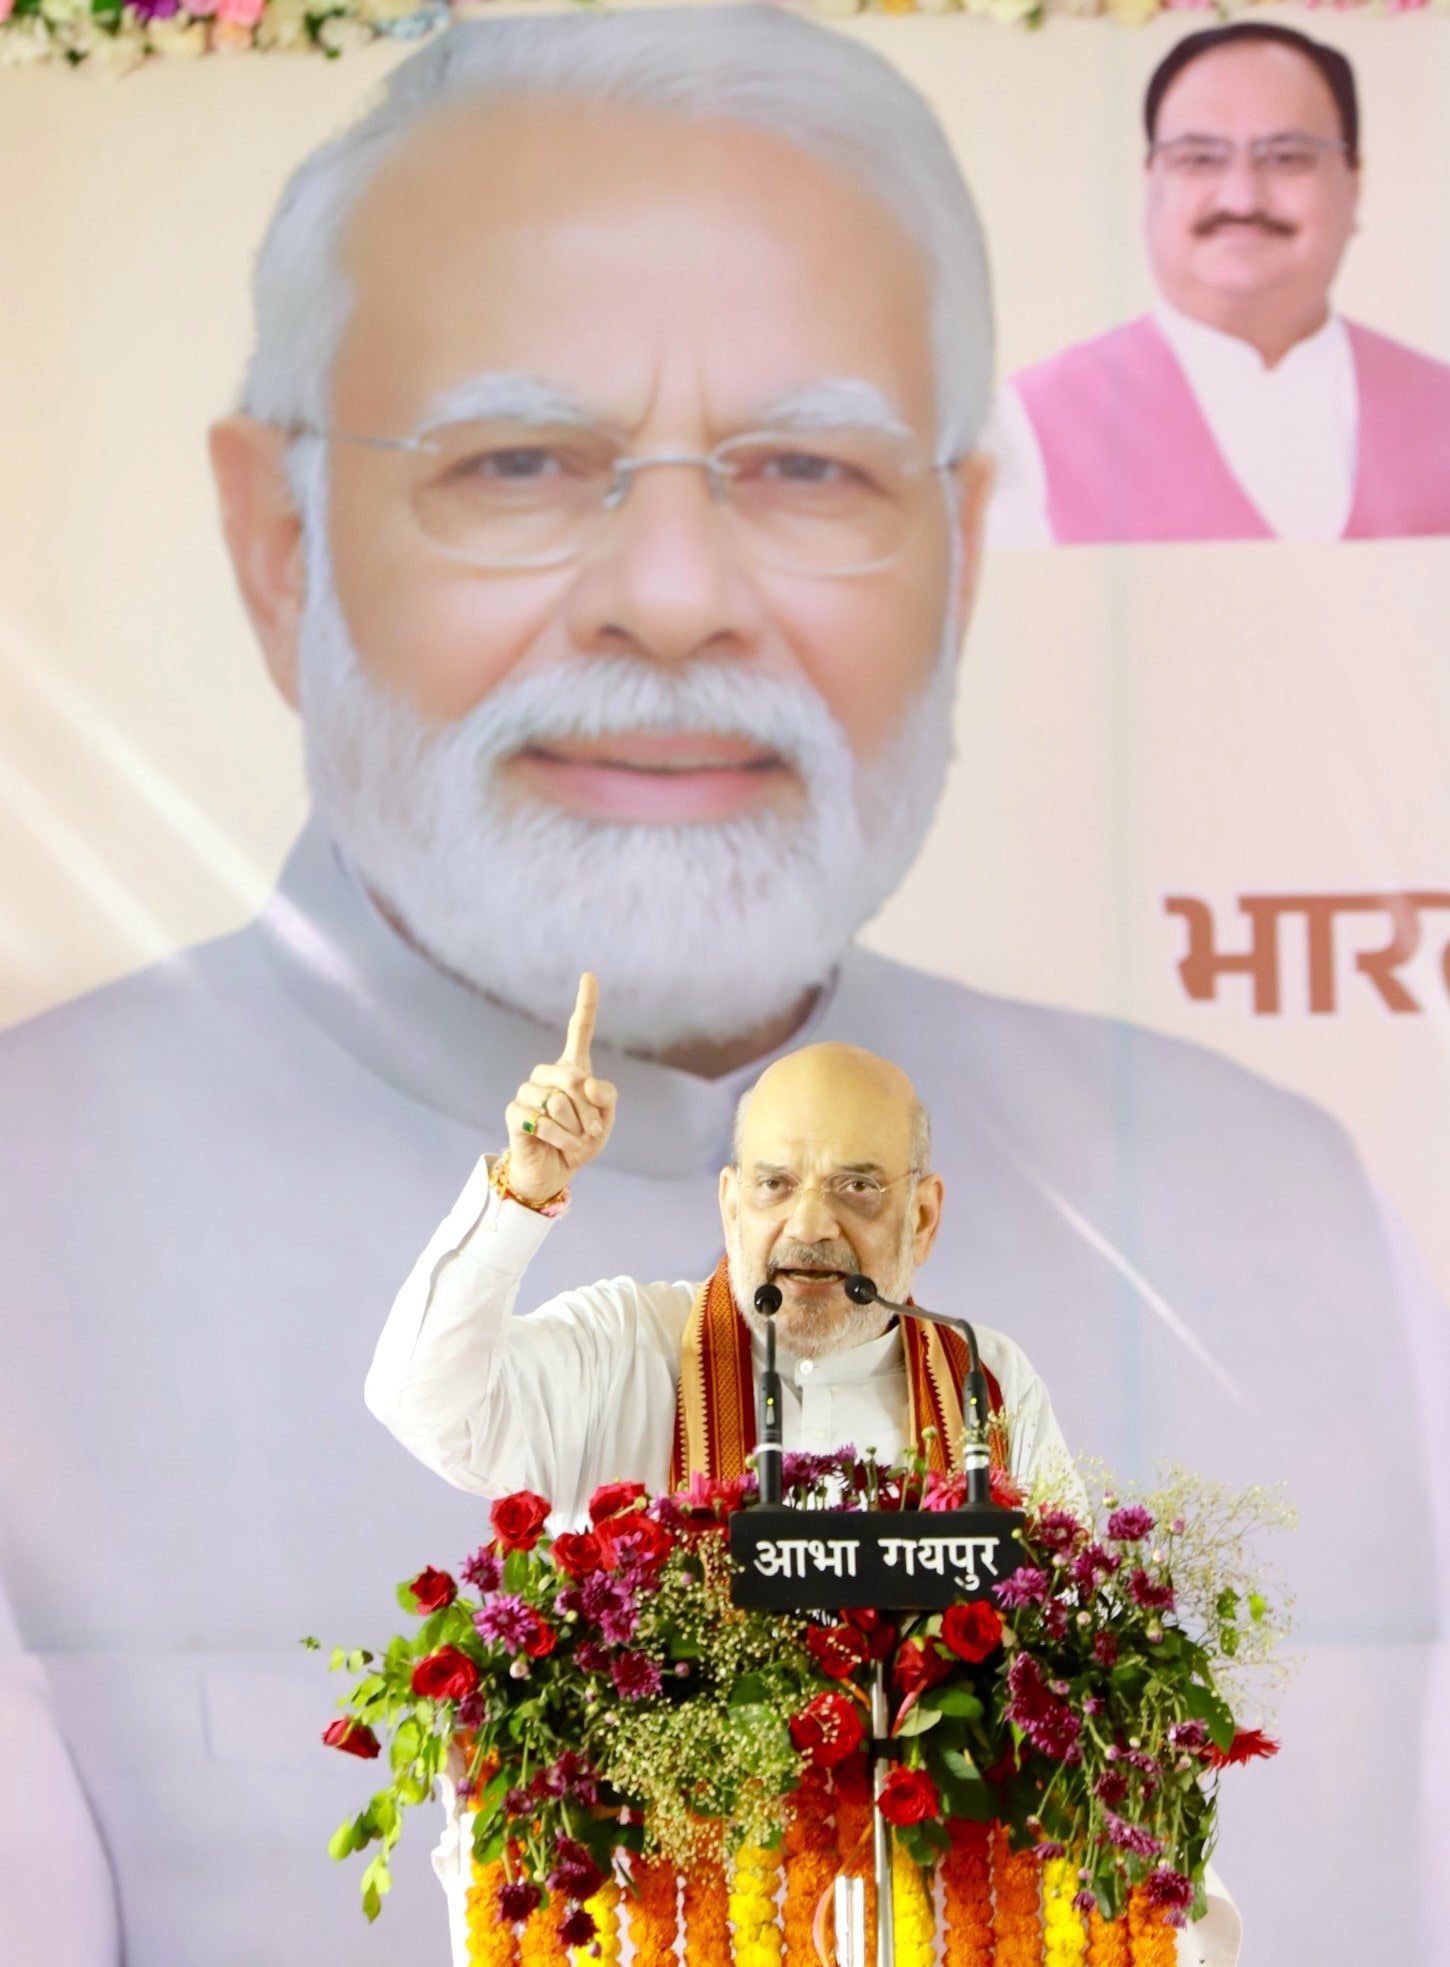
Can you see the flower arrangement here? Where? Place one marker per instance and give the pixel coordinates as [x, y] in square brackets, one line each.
[120, 34]
[607, 1714]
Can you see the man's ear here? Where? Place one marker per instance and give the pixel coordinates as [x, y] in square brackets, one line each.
[263, 531]
[729, 1198]
[926, 1207]
[974, 479]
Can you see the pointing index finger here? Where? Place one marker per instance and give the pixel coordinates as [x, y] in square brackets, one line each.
[581, 1024]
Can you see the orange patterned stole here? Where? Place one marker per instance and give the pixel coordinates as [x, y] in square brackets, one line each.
[715, 1409]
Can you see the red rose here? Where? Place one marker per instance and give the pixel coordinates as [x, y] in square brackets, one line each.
[542, 1640]
[828, 1729]
[612, 1497]
[446, 1675]
[432, 1590]
[352, 1737]
[908, 1796]
[880, 1631]
[837, 1650]
[919, 1664]
[518, 1520]
[632, 1535]
[971, 1631]
[579, 1556]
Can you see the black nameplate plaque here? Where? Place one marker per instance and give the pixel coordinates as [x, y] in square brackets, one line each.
[807, 1560]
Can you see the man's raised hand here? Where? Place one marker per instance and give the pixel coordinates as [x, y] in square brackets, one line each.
[561, 1116]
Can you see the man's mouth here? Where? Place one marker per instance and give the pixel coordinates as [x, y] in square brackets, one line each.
[810, 1279]
[665, 777]
[1260, 222]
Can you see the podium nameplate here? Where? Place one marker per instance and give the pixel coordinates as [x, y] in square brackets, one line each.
[806, 1560]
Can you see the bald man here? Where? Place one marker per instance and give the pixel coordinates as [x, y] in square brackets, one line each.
[831, 1174]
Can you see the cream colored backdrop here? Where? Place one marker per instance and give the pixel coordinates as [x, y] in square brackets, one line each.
[1208, 720]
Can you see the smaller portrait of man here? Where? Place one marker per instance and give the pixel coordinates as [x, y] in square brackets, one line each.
[1243, 407]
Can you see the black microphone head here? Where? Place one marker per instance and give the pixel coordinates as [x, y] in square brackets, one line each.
[767, 1300]
[860, 1290]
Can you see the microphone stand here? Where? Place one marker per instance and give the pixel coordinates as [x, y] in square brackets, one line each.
[976, 1458]
[770, 1444]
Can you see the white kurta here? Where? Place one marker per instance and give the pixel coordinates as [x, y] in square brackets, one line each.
[583, 1391]
[1289, 434]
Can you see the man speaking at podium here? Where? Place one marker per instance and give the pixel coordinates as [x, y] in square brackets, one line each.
[831, 1175]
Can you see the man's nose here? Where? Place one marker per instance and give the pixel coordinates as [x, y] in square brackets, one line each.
[1240, 189]
[811, 1219]
[666, 578]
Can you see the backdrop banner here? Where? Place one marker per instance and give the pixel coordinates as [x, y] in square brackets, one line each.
[899, 530]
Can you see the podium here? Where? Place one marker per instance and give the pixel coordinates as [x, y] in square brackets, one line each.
[812, 1560]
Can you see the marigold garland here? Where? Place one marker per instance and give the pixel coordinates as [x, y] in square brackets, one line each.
[966, 1873]
[913, 1915]
[653, 1913]
[1154, 1941]
[1064, 1938]
[1018, 1920]
[706, 1906]
[603, 1909]
[1107, 1942]
[539, 1942]
[492, 1942]
[810, 1866]
[752, 1907]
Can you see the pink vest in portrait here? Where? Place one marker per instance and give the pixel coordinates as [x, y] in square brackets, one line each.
[1129, 455]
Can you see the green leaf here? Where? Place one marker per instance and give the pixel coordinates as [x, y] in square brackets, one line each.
[406, 1599]
[960, 1702]
[918, 1721]
[405, 1745]
[960, 1764]
[1258, 1607]
[312, 1644]
[750, 1690]
[516, 1570]
[1205, 1706]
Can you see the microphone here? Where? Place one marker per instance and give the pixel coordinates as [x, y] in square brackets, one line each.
[770, 1445]
[976, 1462]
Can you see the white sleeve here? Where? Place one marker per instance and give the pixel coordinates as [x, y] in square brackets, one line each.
[582, 1391]
[1035, 1441]
[57, 1902]
[1017, 509]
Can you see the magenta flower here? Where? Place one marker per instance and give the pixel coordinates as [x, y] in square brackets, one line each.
[577, 1929]
[1131, 1837]
[1093, 1566]
[609, 1604]
[1027, 1586]
[1188, 1735]
[517, 1899]
[1048, 1723]
[507, 1621]
[1111, 1787]
[1084, 1902]
[1105, 1649]
[483, 1570]
[575, 1874]
[1058, 1530]
[591, 1656]
[1169, 1889]
[1128, 1524]
[636, 1676]
[1152, 1597]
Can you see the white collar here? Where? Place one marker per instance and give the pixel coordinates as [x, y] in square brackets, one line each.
[1199, 346]
[873, 1359]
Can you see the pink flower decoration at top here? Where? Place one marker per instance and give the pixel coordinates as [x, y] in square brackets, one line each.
[240, 13]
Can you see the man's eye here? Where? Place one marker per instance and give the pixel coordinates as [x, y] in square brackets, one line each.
[771, 1184]
[520, 464]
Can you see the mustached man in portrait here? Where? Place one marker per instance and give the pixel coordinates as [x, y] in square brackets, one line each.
[1244, 406]
[606, 497]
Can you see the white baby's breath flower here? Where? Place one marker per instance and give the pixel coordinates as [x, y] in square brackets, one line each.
[178, 38]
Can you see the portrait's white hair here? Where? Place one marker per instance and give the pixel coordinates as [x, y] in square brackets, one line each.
[803, 83]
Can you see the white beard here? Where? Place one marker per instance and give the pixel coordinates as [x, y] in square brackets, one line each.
[700, 931]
